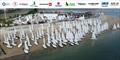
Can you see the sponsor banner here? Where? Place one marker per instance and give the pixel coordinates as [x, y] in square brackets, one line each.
[59, 4]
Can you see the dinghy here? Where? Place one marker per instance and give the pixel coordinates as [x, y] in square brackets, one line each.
[13, 42]
[118, 25]
[77, 38]
[27, 39]
[70, 37]
[21, 42]
[26, 48]
[114, 27]
[7, 42]
[93, 36]
[44, 45]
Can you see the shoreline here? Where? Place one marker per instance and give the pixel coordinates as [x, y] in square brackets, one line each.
[18, 51]
[46, 51]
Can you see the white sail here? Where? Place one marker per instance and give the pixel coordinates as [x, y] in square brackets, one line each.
[93, 36]
[31, 32]
[118, 25]
[44, 45]
[70, 37]
[32, 36]
[63, 38]
[114, 27]
[13, 42]
[48, 34]
[26, 48]
[26, 45]
[5, 38]
[37, 35]
[53, 35]
[7, 42]
[20, 44]
[77, 38]
[14, 33]
[107, 26]
[27, 39]
[40, 34]
[49, 39]
[53, 38]
[42, 30]
[35, 40]
[58, 37]
[21, 34]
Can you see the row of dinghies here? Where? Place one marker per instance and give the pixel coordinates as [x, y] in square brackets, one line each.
[54, 34]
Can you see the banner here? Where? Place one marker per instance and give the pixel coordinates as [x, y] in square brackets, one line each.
[59, 4]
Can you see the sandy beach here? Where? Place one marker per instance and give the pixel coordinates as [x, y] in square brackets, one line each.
[18, 51]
